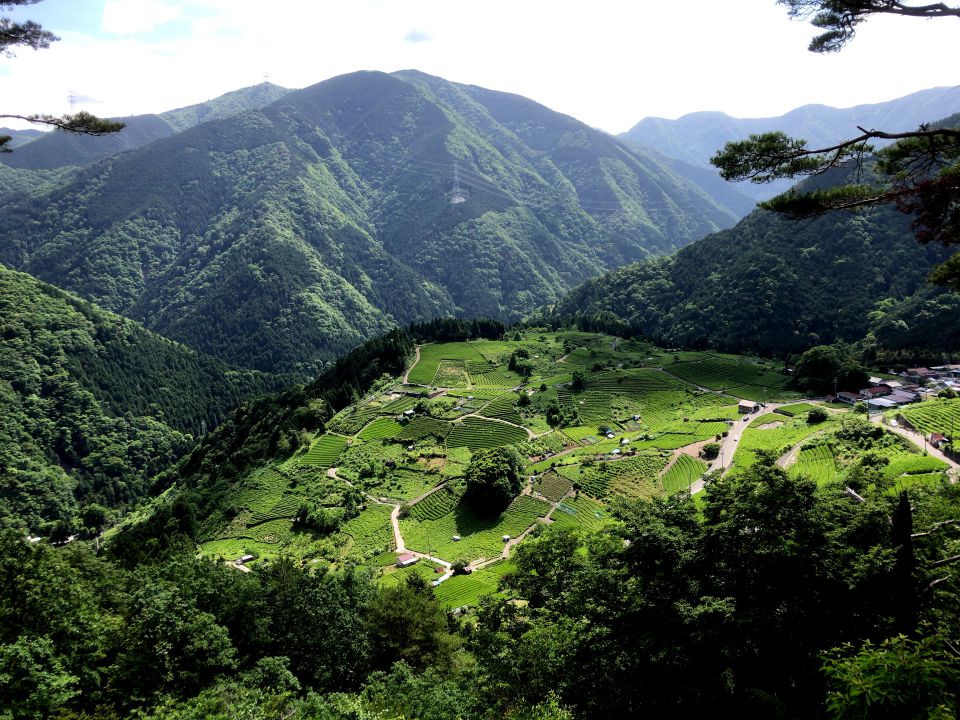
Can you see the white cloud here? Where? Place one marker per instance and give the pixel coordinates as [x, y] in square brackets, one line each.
[131, 17]
[416, 36]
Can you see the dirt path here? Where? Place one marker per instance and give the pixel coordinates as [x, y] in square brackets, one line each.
[416, 359]
[395, 522]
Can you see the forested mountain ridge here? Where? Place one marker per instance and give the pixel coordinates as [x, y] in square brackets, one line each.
[93, 405]
[773, 285]
[283, 236]
[46, 151]
[696, 137]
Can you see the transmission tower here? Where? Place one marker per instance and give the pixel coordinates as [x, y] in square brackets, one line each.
[457, 195]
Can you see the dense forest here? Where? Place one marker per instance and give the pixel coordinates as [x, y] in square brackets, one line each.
[94, 406]
[778, 286]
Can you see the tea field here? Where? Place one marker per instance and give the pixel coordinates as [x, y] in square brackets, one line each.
[591, 418]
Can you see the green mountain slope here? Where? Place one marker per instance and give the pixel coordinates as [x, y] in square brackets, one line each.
[59, 149]
[281, 237]
[93, 405]
[774, 286]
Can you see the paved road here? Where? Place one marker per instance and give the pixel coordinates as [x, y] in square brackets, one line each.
[729, 444]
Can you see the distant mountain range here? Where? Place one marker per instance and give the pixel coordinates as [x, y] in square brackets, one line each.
[696, 137]
[49, 150]
[281, 237]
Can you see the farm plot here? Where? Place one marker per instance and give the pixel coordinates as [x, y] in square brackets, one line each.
[912, 464]
[425, 370]
[262, 490]
[423, 427]
[778, 440]
[682, 474]
[476, 433]
[579, 513]
[451, 373]
[592, 406]
[722, 374]
[587, 434]
[906, 482]
[635, 383]
[393, 576]
[381, 429]
[480, 536]
[817, 463]
[369, 533]
[401, 484]
[795, 409]
[503, 408]
[324, 451]
[633, 477]
[464, 590]
[552, 486]
[942, 416]
[435, 505]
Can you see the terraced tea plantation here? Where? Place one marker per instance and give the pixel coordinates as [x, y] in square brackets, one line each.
[587, 418]
[934, 416]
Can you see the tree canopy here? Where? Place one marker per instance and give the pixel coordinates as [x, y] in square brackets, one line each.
[919, 173]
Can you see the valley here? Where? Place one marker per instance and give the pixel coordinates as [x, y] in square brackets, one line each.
[593, 420]
[395, 397]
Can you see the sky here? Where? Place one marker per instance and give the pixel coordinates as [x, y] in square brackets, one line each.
[608, 63]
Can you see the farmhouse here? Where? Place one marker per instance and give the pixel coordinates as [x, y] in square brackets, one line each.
[848, 397]
[902, 397]
[874, 392]
[881, 403]
[406, 560]
[746, 406]
[937, 439]
[244, 559]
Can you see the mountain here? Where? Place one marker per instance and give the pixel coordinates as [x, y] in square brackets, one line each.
[281, 237]
[93, 405]
[20, 136]
[773, 285]
[696, 137]
[59, 149]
